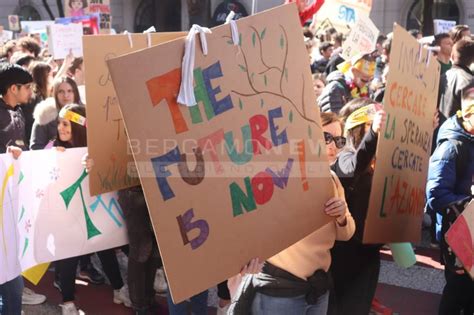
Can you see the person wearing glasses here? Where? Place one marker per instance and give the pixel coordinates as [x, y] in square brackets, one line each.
[296, 280]
[355, 266]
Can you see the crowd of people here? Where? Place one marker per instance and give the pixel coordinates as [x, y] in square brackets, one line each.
[42, 107]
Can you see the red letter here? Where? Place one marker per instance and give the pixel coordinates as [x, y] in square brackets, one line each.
[258, 126]
[262, 187]
[209, 144]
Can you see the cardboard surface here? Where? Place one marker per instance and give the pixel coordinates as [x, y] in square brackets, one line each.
[216, 200]
[343, 14]
[362, 38]
[46, 213]
[460, 238]
[65, 37]
[107, 140]
[398, 189]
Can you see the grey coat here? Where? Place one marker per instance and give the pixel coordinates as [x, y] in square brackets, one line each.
[336, 93]
[45, 126]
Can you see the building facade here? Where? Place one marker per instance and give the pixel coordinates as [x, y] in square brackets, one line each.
[172, 15]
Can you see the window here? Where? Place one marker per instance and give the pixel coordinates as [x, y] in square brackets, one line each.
[29, 13]
[442, 9]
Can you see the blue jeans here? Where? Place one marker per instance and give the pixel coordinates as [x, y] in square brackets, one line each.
[269, 305]
[10, 296]
[198, 305]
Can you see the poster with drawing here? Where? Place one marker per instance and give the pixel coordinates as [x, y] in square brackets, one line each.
[397, 198]
[78, 8]
[47, 213]
[113, 161]
[343, 14]
[243, 173]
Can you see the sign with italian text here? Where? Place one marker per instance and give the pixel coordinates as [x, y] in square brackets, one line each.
[243, 173]
[397, 198]
[107, 140]
[362, 38]
[344, 14]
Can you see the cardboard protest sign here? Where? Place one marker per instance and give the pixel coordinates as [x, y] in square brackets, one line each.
[397, 198]
[460, 238]
[248, 158]
[443, 26]
[63, 38]
[47, 214]
[362, 38]
[107, 140]
[343, 14]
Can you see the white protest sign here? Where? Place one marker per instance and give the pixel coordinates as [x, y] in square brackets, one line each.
[47, 213]
[35, 26]
[62, 38]
[443, 26]
[5, 36]
[362, 38]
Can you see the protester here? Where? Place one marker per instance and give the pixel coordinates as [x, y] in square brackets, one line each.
[355, 266]
[348, 83]
[325, 49]
[319, 82]
[71, 132]
[29, 45]
[44, 128]
[457, 78]
[449, 189]
[8, 50]
[459, 32]
[333, 136]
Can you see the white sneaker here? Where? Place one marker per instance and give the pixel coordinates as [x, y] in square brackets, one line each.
[160, 284]
[122, 296]
[69, 309]
[29, 297]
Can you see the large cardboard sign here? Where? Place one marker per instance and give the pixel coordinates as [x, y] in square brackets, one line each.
[107, 140]
[47, 214]
[63, 38]
[343, 14]
[362, 38]
[243, 173]
[460, 238]
[398, 188]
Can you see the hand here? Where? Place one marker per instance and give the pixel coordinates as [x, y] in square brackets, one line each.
[69, 58]
[87, 162]
[379, 120]
[60, 149]
[15, 151]
[253, 267]
[436, 120]
[336, 207]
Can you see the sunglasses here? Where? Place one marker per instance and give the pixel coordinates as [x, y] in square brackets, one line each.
[339, 141]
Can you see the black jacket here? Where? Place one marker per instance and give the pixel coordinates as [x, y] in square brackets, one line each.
[455, 80]
[12, 127]
[335, 94]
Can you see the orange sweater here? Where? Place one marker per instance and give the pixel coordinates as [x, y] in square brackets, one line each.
[311, 253]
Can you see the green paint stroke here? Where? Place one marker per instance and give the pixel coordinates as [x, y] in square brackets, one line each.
[67, 196]
[27, 242]
[310, 132]
[241, 105]
[262, 34]
[254, 38]
[22, 213]
[21, 177]
[290, 116]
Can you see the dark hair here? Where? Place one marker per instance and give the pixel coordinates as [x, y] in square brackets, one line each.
[22, 59]
[467, 91]
[387, 45]
[11, 75]
[463, 52]
[78, 132]
[320, 76]
[84, 3]
[72, 83]
[325, 46]
[414, 33]
[355, 135]
[76, 64]
[438, 38]
[337, 38]
[40, 72]
[456, 32]
[381, 39]
[30, 44]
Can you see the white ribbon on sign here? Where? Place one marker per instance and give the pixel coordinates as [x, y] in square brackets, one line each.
[186, 90]
[148, 32]
[129, 35]
[233, 27]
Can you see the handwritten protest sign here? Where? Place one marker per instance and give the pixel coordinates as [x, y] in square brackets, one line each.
[403, 150]
[443, 26]
[107, 140]
[460, 238]
[63, 38]
[242, 174]
[362, 38]
[343, 14]
[46, 213]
